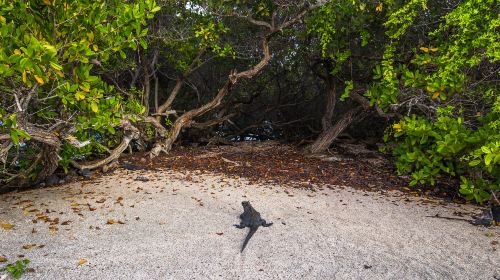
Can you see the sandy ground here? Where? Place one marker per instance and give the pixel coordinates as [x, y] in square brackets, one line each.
[180, 226]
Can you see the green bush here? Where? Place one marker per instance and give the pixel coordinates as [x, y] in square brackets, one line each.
[428, 149]
[17, 269]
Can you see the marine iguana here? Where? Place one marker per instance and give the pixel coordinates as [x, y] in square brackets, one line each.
[250, 218]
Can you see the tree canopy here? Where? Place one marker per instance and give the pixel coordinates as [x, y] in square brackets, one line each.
[82, 81]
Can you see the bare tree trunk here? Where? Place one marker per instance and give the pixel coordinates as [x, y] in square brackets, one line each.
[165, 145]
[186, 119]
[173, 94]
[50, 161]
[156, 91]
[326, 138]
[331, 99]
[195, 64]
[146, 86]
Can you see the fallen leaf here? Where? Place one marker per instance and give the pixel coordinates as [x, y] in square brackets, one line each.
[110, 222]
[82, 262]
[219, 233]
[3, 259]
[7, 226]
[53, 230]
[28, 246]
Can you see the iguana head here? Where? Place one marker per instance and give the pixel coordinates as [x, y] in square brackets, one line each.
[245, 204]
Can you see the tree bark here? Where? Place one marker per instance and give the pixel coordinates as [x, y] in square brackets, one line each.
[326, 138]
[50, 161]
[146, 86]
[155, 77]
[331, 100]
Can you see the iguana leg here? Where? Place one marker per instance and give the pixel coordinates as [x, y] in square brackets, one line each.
[264, 224]
[240, 226]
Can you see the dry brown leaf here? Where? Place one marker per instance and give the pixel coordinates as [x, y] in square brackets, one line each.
[110, 222]
[82, 262]
[3, 259]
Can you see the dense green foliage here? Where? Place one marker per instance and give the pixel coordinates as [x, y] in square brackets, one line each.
[437, 67]
[48, 52]
[452, 81]
[71, 73]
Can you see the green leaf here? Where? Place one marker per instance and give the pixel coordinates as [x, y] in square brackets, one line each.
[475, 162]
[14, 136]
[485, 150]
[94, 107]
[143, 43]
[22, 134]
[488, 159]
[56, 66]
[80, 95]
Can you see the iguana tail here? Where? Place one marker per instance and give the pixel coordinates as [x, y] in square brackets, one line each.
[249, 235]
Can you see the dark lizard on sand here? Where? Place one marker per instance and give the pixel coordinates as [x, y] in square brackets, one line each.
[250, 218]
